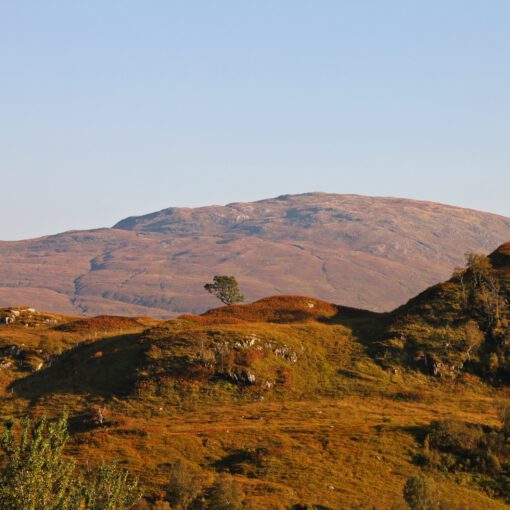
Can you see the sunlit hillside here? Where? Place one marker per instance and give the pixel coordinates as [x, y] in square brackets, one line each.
[298, 400]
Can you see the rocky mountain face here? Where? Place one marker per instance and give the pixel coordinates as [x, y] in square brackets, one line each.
[365, 252]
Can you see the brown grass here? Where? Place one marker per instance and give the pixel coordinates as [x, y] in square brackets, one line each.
[340, 430]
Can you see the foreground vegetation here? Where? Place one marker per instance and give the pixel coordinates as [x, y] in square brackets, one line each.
[37, 476]
[283, 403]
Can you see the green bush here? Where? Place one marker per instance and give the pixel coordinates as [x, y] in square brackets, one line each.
[37, 475]
[110, 488]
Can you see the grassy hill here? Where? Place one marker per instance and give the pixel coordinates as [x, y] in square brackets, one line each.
[459, 326]
[300, 401]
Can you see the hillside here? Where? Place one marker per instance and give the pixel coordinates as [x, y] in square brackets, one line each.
[300, 401]
[363, 252]
[460, 325]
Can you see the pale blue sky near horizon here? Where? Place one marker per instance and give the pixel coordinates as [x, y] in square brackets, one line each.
[112, 109]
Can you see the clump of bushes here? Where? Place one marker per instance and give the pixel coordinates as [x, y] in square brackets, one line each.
[452, 446]
[37, 475]
[187, 489]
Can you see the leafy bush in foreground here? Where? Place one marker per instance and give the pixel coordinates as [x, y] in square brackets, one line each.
[37, 475]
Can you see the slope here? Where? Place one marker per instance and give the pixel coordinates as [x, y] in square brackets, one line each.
[282, 394]
[364, 252]
[461, 325]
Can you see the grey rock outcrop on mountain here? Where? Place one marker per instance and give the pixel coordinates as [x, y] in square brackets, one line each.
[367, 252]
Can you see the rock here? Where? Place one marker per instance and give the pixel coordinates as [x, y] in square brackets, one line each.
[249, 377]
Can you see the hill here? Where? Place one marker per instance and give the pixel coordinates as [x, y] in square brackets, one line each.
[302, 402]
[363, 252]
[462, 324]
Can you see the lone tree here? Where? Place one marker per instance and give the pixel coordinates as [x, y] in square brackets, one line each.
[225, 288]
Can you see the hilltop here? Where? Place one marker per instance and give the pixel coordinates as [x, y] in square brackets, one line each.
[364, 252]
[300, 400]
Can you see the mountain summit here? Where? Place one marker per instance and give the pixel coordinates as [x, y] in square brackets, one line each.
[367, 252]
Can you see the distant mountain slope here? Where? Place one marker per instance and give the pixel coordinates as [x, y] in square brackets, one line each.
[364, 252]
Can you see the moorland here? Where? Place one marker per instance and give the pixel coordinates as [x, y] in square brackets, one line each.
[365, 252]
[295, 400]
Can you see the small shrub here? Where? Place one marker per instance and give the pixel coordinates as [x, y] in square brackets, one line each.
[419, 493]
[487, 462]
[226, 494]
[184, 485]
[111, 488]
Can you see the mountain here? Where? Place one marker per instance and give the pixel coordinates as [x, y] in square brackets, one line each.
[364, 252]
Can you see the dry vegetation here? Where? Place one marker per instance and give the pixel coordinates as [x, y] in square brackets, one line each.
[368, 252]
[299, 401]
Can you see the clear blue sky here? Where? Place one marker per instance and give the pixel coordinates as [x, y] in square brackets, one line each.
[114, 108]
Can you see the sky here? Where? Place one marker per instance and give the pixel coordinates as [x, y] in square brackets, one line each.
[116, 108]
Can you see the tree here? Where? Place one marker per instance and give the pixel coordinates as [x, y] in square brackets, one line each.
[484, 290]
[184, 486]
[504, 416]
[225, 288]
[36, 475]
[459, 274]
[473, 338]
[111, 488]
[226, 494]
[418, 493]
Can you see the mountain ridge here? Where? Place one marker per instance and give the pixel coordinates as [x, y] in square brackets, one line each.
[317, 194]
[365, 252]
